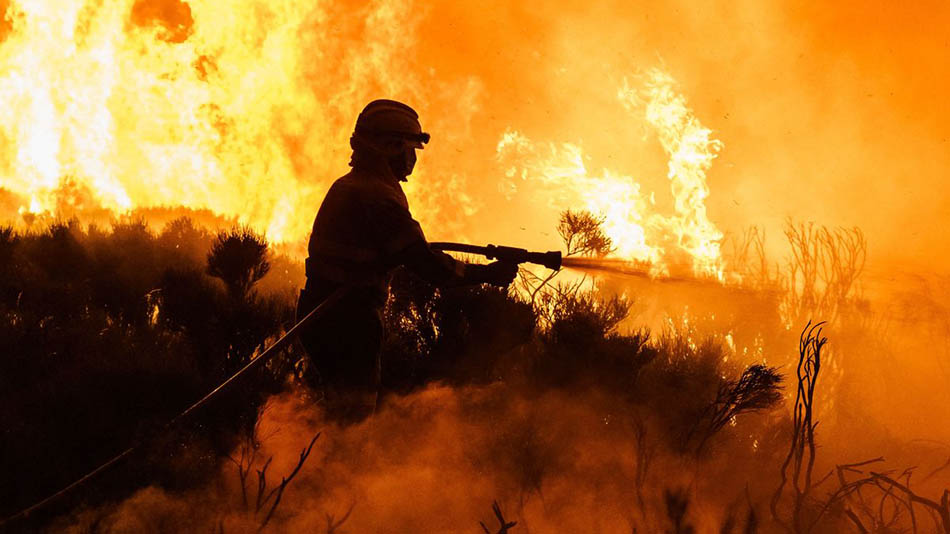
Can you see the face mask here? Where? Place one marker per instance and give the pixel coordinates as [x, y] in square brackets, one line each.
[402, 163]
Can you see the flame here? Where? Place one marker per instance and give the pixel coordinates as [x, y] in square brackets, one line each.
[246, 111]
[166, 103]
[691, 151]
[562, 169]
[637, 230]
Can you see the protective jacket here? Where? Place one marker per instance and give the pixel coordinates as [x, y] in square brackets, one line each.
[362, 231]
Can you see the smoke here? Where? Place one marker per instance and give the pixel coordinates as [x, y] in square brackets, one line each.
[435, 460]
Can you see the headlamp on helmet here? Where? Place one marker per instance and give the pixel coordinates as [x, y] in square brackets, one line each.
[389, 118]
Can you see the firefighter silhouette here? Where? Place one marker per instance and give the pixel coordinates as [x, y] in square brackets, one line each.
[362, 231]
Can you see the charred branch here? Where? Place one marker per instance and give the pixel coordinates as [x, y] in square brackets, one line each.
[503, 525]
[758, 388]
[334, 524]
[278, 492]
[799, 464]
[823, 270]
[582, 234]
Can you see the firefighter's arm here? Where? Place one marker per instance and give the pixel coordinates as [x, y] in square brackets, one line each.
[404, 243]
[440, 269]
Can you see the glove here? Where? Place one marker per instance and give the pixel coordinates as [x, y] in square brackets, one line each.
[499, 273]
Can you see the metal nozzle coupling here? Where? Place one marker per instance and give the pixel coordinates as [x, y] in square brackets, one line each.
[551, 260]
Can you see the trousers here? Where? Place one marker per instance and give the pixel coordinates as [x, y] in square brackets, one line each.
[344, 348]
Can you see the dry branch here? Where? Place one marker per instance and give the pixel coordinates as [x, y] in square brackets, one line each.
[504, 526]
[758, 388]
[278, 491]
[799, 464]
[334, 524]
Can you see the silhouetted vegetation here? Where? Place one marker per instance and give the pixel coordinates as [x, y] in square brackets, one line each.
[238, 258]
[106, 336]
[110, 333]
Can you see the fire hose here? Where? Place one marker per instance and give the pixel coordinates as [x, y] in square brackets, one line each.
[318, 312]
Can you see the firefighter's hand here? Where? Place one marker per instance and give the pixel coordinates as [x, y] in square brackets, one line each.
[500, 273]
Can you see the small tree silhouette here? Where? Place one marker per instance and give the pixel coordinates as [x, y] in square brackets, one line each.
[583, 233]
[239, 258]
[188, 242]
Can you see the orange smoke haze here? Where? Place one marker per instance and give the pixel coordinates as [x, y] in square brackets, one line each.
[826, 113]
[434, 461]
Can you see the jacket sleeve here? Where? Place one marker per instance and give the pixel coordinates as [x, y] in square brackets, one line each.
[435, 267]
[403, 242]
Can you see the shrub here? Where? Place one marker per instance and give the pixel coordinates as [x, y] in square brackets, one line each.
[239, 259]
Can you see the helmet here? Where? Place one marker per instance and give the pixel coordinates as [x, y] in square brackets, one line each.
[391, 118]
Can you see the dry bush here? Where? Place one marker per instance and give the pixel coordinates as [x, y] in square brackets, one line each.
[582, 234]
[758, 388]
[820, 275]
[823, 270]
[749, 260]
[239, 258]
[570, 304]
[266, 499]
[883, 501]
[190, 242]
[108, 332]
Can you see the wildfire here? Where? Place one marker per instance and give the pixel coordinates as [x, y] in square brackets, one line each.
[245, 112]
[632, 222]
[134, 104]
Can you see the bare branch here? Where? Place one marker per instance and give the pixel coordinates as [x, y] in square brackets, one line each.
[278, 492]
[802, 450]
[504, 526]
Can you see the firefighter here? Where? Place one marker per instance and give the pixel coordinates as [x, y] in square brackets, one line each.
[362, 232]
